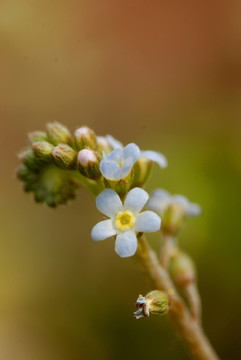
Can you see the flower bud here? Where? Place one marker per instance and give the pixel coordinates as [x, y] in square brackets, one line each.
[155, 302]
[103, 145]
[142, 171]
[88, 163]
[181, 268]
[37, 136]
[64, 156]
[58, 133]
[85, 138]
[43, 150]
[29, 159]
[25, 174]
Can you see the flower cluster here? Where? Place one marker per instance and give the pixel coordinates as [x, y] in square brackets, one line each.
[56, 164]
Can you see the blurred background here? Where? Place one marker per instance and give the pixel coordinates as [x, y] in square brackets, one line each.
[165, 75]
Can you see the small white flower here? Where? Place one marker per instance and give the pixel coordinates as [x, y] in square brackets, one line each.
[160, 199]
[155, 156]
[125, 219]
[118, 164]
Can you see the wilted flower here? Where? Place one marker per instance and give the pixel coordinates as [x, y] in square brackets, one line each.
[155, 302]
[125, 219]
[118, 164]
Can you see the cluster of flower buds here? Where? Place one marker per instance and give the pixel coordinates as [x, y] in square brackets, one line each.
[154, 303]
[55, 164]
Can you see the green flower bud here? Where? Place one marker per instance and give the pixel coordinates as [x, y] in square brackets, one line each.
[155, 302]
[182, 268]
[142, 172]
[29, 159]
[88, 164]
[64, 157]
[85, 138]
[58, 134]
[37, 136]
[43, 150]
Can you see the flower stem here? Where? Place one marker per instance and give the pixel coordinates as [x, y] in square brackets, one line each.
[190, 332]
[166, 246]
[193, 298]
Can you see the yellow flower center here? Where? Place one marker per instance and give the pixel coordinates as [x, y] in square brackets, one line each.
[125, 220]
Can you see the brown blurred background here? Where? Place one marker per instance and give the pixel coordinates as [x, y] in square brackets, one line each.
[166, 75]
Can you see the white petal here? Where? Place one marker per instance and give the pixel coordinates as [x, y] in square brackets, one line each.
[103, 230]
[126, 244]
[110, 169]
[109, 203]
[126, 168]
[154, 156]
[181, 200]
[194, 210]
[131, 151]
[116, 154]
[159, 200]
[136, 199]
[148, 221]
[115, 144]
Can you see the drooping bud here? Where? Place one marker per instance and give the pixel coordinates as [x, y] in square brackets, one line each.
[85, 138]
[37, 136]
[43, 150]
[88, 163]
[182, 268]
[64, 156]
[155, 302]
[58, 133]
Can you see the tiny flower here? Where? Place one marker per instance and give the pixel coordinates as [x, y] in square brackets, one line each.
[125, 219]
[155, 302]
[173, 209]
[160, 199]
[118, 164]
[148, 154]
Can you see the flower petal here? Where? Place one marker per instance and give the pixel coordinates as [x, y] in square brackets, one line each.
[136, 199]
[126, 244]
[126, 168]
[116, 154]
[154, 156]
[108, 202]
[148, 221]
[159, 200]
[110, 169]
[115, 144]
[131, 151]
[194, 209]
[103, 230]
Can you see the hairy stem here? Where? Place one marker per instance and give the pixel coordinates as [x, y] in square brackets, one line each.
[188, 329]
[166, 247]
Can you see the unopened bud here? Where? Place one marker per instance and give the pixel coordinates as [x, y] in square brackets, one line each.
[103, 145]
[37, 136]
[28, 157]
[155, 302]
[142, 171]
[85, 138]
[64, 156]
[58, 133]
[182, 269]
[88, 163]
[43, 150]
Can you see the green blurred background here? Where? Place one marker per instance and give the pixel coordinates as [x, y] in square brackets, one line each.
[166, 75]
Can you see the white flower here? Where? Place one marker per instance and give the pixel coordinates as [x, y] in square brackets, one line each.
[160, 200]
[148, 154]
[118, 164]
[125, 219]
